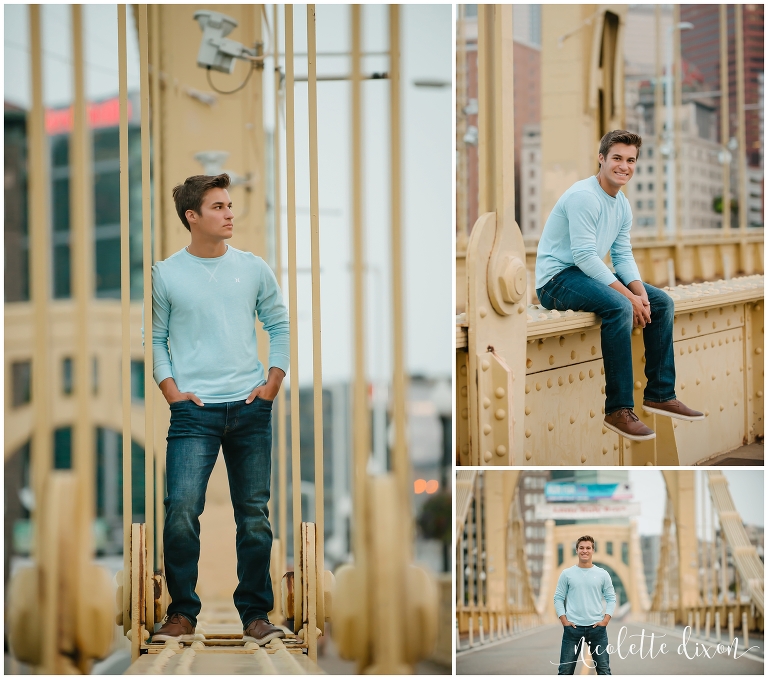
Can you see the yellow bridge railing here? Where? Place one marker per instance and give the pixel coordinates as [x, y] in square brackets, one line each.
[718, 341]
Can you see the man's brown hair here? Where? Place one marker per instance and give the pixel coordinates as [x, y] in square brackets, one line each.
[586, 538]
[620, 137]
[189, 195]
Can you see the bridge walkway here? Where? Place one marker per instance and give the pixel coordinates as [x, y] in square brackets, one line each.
[537, 651]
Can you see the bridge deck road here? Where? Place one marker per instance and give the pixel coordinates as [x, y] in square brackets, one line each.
[538, 652]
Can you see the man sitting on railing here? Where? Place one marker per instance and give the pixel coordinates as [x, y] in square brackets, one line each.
[590, 218]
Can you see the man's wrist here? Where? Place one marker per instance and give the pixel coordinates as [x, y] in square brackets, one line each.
[168, 387]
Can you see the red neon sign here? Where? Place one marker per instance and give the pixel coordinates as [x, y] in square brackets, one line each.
[102, 114]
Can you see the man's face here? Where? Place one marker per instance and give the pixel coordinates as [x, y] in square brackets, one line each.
[617, 169]
[585, 551]
[215, 221]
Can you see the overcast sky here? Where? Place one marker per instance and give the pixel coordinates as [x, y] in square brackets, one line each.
[427, 148]
[746, 487]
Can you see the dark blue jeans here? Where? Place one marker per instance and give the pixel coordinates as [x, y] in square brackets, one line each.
[573, 289]
[596, 639]
[244, 433]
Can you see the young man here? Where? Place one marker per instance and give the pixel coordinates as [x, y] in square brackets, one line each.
[590, 218]
[206, 299]
[579, 604]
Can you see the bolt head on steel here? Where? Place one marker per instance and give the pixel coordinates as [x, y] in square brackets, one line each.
[512, 279]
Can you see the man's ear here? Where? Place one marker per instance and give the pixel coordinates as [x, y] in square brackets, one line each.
[191, 216]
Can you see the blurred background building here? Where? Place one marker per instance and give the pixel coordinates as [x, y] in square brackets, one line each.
[700, 143]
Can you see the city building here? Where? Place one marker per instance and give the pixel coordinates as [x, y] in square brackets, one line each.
[526, 55]
[529, 196]
[700, 172]
[531, 493]
[701, 46]
[701, 175]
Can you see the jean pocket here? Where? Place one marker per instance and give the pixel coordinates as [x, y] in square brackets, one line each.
[177, 404]
[258, 399]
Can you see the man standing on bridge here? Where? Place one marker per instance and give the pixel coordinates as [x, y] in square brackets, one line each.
[592, 217]
[579, 604]
[206, 299]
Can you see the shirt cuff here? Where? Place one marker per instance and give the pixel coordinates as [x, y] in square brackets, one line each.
[628, 273]
[279, 361]
[162, 372]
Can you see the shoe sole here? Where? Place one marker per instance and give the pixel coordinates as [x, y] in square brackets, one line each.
[168, 637]
[687, 418]
[631, 437]
[265, 639]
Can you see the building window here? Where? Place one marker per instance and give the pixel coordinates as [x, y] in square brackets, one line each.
[639, 187]
[625, 552]
[21, 383]
[609, 548]
[650, 152]
[650, 169]
[62, 448]
[639, 204]
[16, 201]
[560, 555]
[137, 380]
[650, 186]
[67, 377]
[651, 204]
[95, 376]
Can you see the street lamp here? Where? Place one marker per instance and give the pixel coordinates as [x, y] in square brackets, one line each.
[668, 147]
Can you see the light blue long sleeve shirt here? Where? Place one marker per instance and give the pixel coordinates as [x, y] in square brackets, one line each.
[584, 224]
[580, 592]
[203, 323]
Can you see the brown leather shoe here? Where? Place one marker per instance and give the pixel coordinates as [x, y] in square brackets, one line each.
[625, 422]
[262, 632]
[175, 627]
[673, 408]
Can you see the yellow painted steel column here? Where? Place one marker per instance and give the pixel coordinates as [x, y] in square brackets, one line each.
[658, 124]
[149, 392]
[157, 218]
[317, 352]
[40, 283]
[290, 166]
[281, 414]
[741, 158]
[40, 253]
[485, 94]
[677, 112]
[400, 463]
[724, 118]
[125, 310]
[461, 128]
[503, 119]
[81, 215]
[360, 415]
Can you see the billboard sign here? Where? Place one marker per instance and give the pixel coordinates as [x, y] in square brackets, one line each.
[583, 511]
[587, 492]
